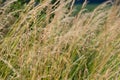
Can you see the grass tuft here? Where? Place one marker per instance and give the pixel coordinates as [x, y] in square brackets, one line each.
[47, 42]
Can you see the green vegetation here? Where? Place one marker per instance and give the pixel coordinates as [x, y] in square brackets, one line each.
[46, 42]
[88, 7]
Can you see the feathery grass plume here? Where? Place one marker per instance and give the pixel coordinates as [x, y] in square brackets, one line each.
[46, 42]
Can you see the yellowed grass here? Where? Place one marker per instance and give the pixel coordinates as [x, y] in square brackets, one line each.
[47, 43]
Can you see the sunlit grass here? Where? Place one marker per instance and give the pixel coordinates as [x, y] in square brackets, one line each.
[46, 42]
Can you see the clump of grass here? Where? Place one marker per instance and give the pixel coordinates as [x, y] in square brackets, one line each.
[45, 42]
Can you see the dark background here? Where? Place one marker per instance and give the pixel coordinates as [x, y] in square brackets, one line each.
[76, 2]
[90, 1]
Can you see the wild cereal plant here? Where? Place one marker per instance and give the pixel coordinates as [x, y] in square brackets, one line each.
[46, 42]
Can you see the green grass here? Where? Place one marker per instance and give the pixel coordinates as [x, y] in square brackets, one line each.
[47, 43]
[89, 8]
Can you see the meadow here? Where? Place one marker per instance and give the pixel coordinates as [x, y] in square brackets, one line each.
[59, 41]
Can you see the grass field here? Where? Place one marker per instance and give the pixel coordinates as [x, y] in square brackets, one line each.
[46, 42]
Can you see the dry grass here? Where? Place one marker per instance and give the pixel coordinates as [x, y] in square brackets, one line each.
[47, 43]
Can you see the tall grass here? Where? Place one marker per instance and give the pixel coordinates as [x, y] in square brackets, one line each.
[45, 42]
